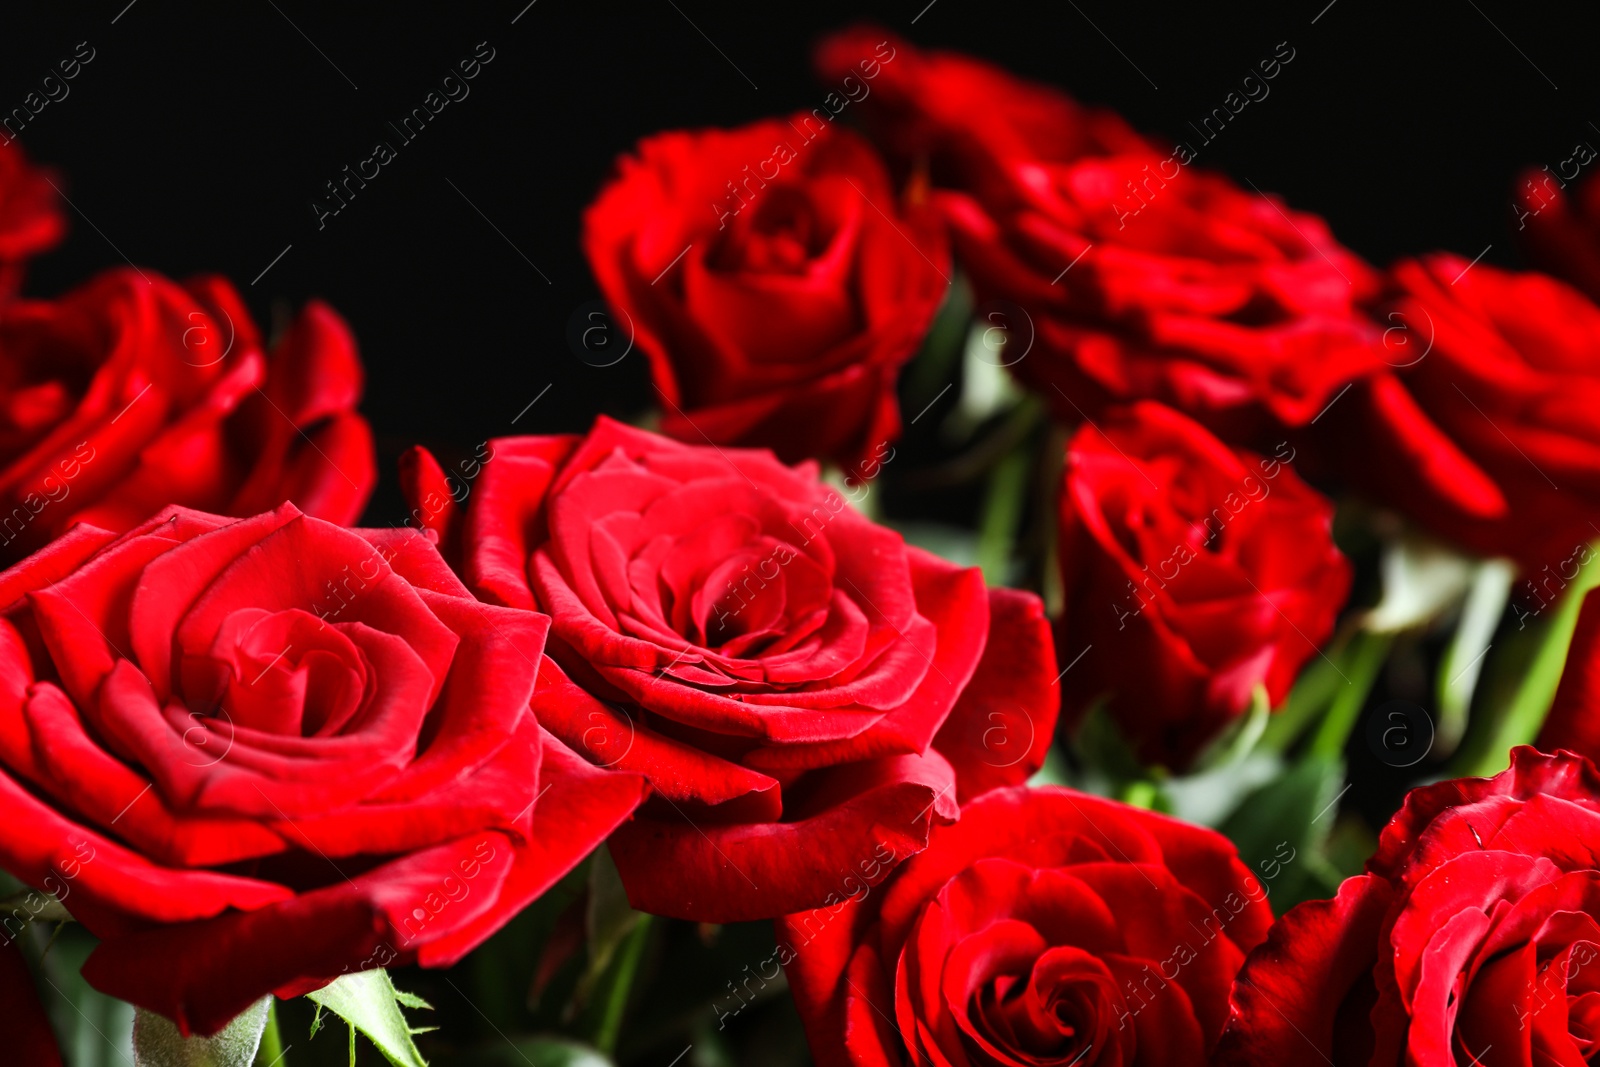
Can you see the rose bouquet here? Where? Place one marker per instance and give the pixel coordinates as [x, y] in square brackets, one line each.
[1060, 607]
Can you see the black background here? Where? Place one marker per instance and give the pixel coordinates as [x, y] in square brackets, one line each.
[198, 137]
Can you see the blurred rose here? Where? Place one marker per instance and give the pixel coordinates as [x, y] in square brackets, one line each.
[774, 279]
[1485, 431]
[30, 215]
[1137, 275]
[961, 118]
[133, 392]
[1559, 227]
[1193, 574]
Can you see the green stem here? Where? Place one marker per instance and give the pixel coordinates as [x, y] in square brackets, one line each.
[1525, 712]
[617, 984]
[271, 1051]
[1051, 463]
[1368, 651]
[1316, 687]
[49, 909]
[1002, 514]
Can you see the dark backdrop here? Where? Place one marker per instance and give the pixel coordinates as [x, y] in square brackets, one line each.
[198, 137]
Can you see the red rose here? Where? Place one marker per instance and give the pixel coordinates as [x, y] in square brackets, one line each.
[250, 755]
[28, 1033]
[774, 281]
[797, 682]
[1132, 274]
[1473, 937]
[1193, 573]
[30, 215]
[133, 392]
[1046, 927]
[1561, 231]
[960, 117]
[1486, 431]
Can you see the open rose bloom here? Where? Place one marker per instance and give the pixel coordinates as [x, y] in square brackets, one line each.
[1483, 430]
[252, 755]
[134, 392]
[1138, 274]
[797, 683]
[773, 279]
[1046, 927]
[1473, 936]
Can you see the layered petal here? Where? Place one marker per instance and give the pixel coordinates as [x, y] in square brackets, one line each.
[1212, 568]
[1045, 927]
[781, 317]
[251, 755]
[133, 392]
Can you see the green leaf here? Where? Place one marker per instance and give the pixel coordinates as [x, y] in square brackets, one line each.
[1225, 771]
[96, 1030]
[1222, 776]
[608, 919]
[157, 1043]
[369, 1002]
[271, 1051]
[1280, 827]
[937, 363]
[1319, 880]
[1207, 799]
[1104, 748]
[954, 543]
[33, 905]
[1348, 847]
[504, 970]
[617, 936]
[1526, 672]
[616, 985]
